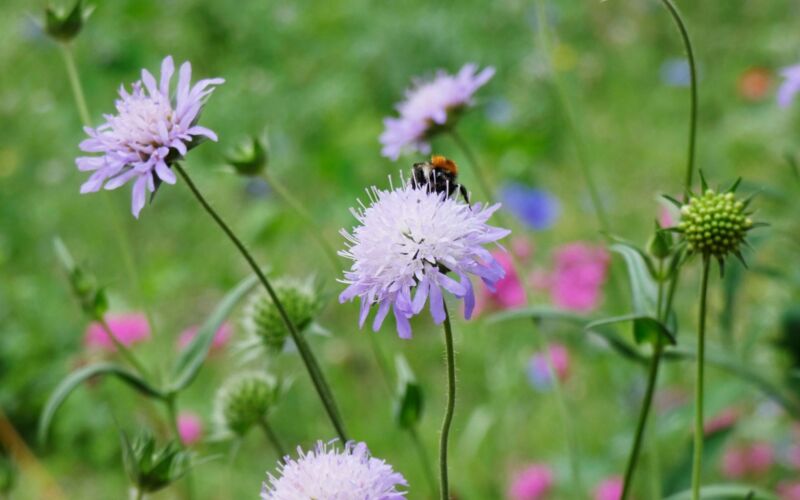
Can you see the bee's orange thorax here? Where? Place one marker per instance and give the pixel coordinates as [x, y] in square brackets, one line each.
[444, 163]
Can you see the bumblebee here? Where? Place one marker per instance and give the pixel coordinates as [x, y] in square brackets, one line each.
[439, 175]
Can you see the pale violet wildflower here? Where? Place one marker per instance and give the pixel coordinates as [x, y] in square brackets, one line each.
[149, 132]
[415, 239]
[326, 472]
[429, 107]
[790, 86]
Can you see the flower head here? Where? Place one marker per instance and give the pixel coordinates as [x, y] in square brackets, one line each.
[790, 86]
[413, 239]
[190, 428]
[244, 400]
[532, 483]
[149, 132]
[262, 319]
[129, 329]
[609, 489]
[537, 208]
[326, 472]
[429, 107]
[578, 277]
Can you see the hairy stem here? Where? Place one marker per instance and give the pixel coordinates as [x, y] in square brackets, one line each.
[697, 462]
[310, 361]
[272, 437]
[450, 360]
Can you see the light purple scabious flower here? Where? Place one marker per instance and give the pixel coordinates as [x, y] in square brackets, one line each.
[331, 474]
[790, 86]
[149, 131]
[428, 106]
[412, 239]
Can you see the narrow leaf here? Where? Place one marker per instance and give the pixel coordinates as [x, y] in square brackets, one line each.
[727, 492]
[672, 200]
[192, 357]
[640, 276]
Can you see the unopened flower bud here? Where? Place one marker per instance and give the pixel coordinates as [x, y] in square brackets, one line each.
[660, 244]
[714, 224]
[150, 467]
[250, 157]
[84, 285]
[262, 319]
[64, 26]
[244, 400]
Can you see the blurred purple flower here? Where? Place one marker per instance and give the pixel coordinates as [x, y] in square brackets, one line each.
[129, 329]
[535, 207]
[148, 132]
[221, 337]
[676, 73]
[430, 105]
[790, 86]
[411, 239]
[539, 369]
[327, 473]
[532, 483]
[579, 274]
[190, 428]
[609, 489]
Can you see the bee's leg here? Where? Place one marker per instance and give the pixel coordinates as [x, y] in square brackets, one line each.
[464, 193]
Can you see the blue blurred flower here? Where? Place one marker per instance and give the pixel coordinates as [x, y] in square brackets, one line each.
[535, 207]
[676, 73]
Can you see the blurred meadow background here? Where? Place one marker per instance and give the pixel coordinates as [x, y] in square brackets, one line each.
[319, 77]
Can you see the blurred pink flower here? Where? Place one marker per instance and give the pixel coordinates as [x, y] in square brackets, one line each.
[789, 491]
[539, 370]
[579, 273]
[666, 218]
[723, 420]
[752, 460]
[129, 329]
[190, 428]
[532, 483]
[221, 338]
[609, 489]
[509, 292]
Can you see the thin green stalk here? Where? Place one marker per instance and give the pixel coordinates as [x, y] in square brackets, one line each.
[123, 350]
[272, 437]
[450, 360]
[311, 225]
[572, 123]
[424, 461]
[573, 446]
[697, 462]
[480, 175]
[75, 83]
[314, 371]
[687, 43]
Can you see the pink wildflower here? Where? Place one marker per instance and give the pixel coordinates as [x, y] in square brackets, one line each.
[609, 489]
[128, 328]
[190, 428]
[532, 483]
[578, 277]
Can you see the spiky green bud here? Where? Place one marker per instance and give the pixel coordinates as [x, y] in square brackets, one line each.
[715, 224]
[152, 468]
[65, 25]
[244, 400]
[84, 285]
[301, 301]
[250, 157]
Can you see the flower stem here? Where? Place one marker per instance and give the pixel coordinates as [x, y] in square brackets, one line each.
[424, 461]
[572, 123]
[480, 175]
[313, 227]
[75, 83]
[687, 42]
[450, 408]
[272, 437]
[123, 350]
[697, 462]
[314, 371]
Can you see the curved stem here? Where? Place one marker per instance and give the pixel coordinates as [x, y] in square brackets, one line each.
[572, 122]
[314, 371]
[75, 83]
[272, 437]
[424, 461]
[123, 350]
[687, 43]
[313, 227]
[697, 462]
[450, 408]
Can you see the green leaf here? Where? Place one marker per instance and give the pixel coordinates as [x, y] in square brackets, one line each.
[672, 200]
[192, 357]
[77, 377]
[727, 492]
[409, 401]
[646, 329]
[640, 276]
[538, 313]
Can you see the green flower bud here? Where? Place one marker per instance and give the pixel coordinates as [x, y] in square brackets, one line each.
[244, 400]
[151, 468]
[84, 286]
[250, 157]
[64, 26]
[301, 301]
[660, 244]
[714, 224]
